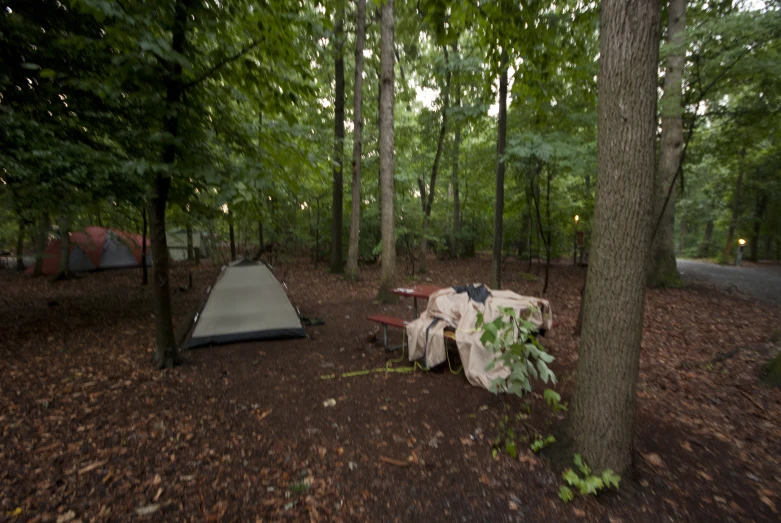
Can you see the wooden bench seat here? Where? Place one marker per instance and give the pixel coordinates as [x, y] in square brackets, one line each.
[387, 321]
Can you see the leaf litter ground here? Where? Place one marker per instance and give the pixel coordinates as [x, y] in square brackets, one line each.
[90, 431]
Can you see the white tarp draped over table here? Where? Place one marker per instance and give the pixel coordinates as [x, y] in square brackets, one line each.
[448, 308]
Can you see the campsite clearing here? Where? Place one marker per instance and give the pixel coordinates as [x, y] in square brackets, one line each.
[240, 431]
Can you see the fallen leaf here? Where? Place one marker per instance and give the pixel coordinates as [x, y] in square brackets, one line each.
[705, 476]
[65, 517]
[149, 509]
[768, 502]
[654, 459]
[579, 512]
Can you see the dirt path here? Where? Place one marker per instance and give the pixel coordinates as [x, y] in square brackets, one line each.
[761, 282]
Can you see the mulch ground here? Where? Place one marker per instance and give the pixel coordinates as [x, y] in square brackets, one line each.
[90, 431]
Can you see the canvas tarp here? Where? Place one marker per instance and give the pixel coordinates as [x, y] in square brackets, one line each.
[448, 308]
[246, 303]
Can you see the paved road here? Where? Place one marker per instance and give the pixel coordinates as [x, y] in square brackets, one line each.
[763, 283]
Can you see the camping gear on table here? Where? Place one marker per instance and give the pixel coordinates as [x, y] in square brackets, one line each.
[458, 308]
[246, 303]
[96, 248]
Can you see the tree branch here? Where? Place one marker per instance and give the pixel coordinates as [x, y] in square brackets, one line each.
[216, 67]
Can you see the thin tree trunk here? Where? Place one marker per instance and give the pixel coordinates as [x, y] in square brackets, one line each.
[167, 355]
[351, 271]
[456, 231]
[759, 213]
[662, 270]
[682, 234]
[189, 232]
[40, 243]
[428, 203]
[144, 267]
[704, 249]
[260, 235]
[501, 141]
[20, 245]
[336, 265]
[769, 247]
[735, 207]
[388, 272]
[65, 245]
[232, 235]
[548, 227]
[603, 405]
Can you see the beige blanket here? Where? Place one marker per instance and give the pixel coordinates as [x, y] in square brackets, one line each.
[448, 308]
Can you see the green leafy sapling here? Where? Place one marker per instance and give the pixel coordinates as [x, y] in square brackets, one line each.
[587, 482]
[511, 338]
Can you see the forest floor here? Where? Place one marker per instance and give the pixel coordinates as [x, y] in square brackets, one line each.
[90, 431]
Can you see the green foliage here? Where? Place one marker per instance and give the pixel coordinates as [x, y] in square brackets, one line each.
[511, 338]
[586, 482]
[541, 443]
[553, 399]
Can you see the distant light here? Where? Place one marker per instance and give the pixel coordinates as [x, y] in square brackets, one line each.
[742, 242]
[577, 218]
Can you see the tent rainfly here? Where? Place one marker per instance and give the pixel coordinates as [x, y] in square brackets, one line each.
[97, 248]
[246, 303]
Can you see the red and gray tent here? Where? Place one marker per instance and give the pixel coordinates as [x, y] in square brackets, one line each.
[97, 248]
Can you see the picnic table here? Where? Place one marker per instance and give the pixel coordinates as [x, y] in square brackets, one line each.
[418, 291]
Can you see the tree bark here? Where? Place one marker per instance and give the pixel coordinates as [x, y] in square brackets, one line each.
[388, 272]
[232, 235]
[144, 267]
[40, 243]
[166, 354]
[336, 265]
[603, 405]
[735, 207]
[190, 253]
[351, 271]
[429, 202]
[501, 142]
[662, 269]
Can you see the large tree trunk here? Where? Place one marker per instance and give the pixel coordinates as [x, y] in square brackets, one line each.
[336, 265]
[351, 271]
[190, 250]
[603, 404]
[501, 142]
[40, 243]
[662, 268]
[144, 266]
[388, 272]
[759, 213]
[428, 203]
[167, 355]
[735, 207]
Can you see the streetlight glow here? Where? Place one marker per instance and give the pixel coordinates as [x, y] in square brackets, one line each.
[577, 218]
[742, 242]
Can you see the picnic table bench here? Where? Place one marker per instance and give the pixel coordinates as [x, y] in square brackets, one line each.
[387, 321]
